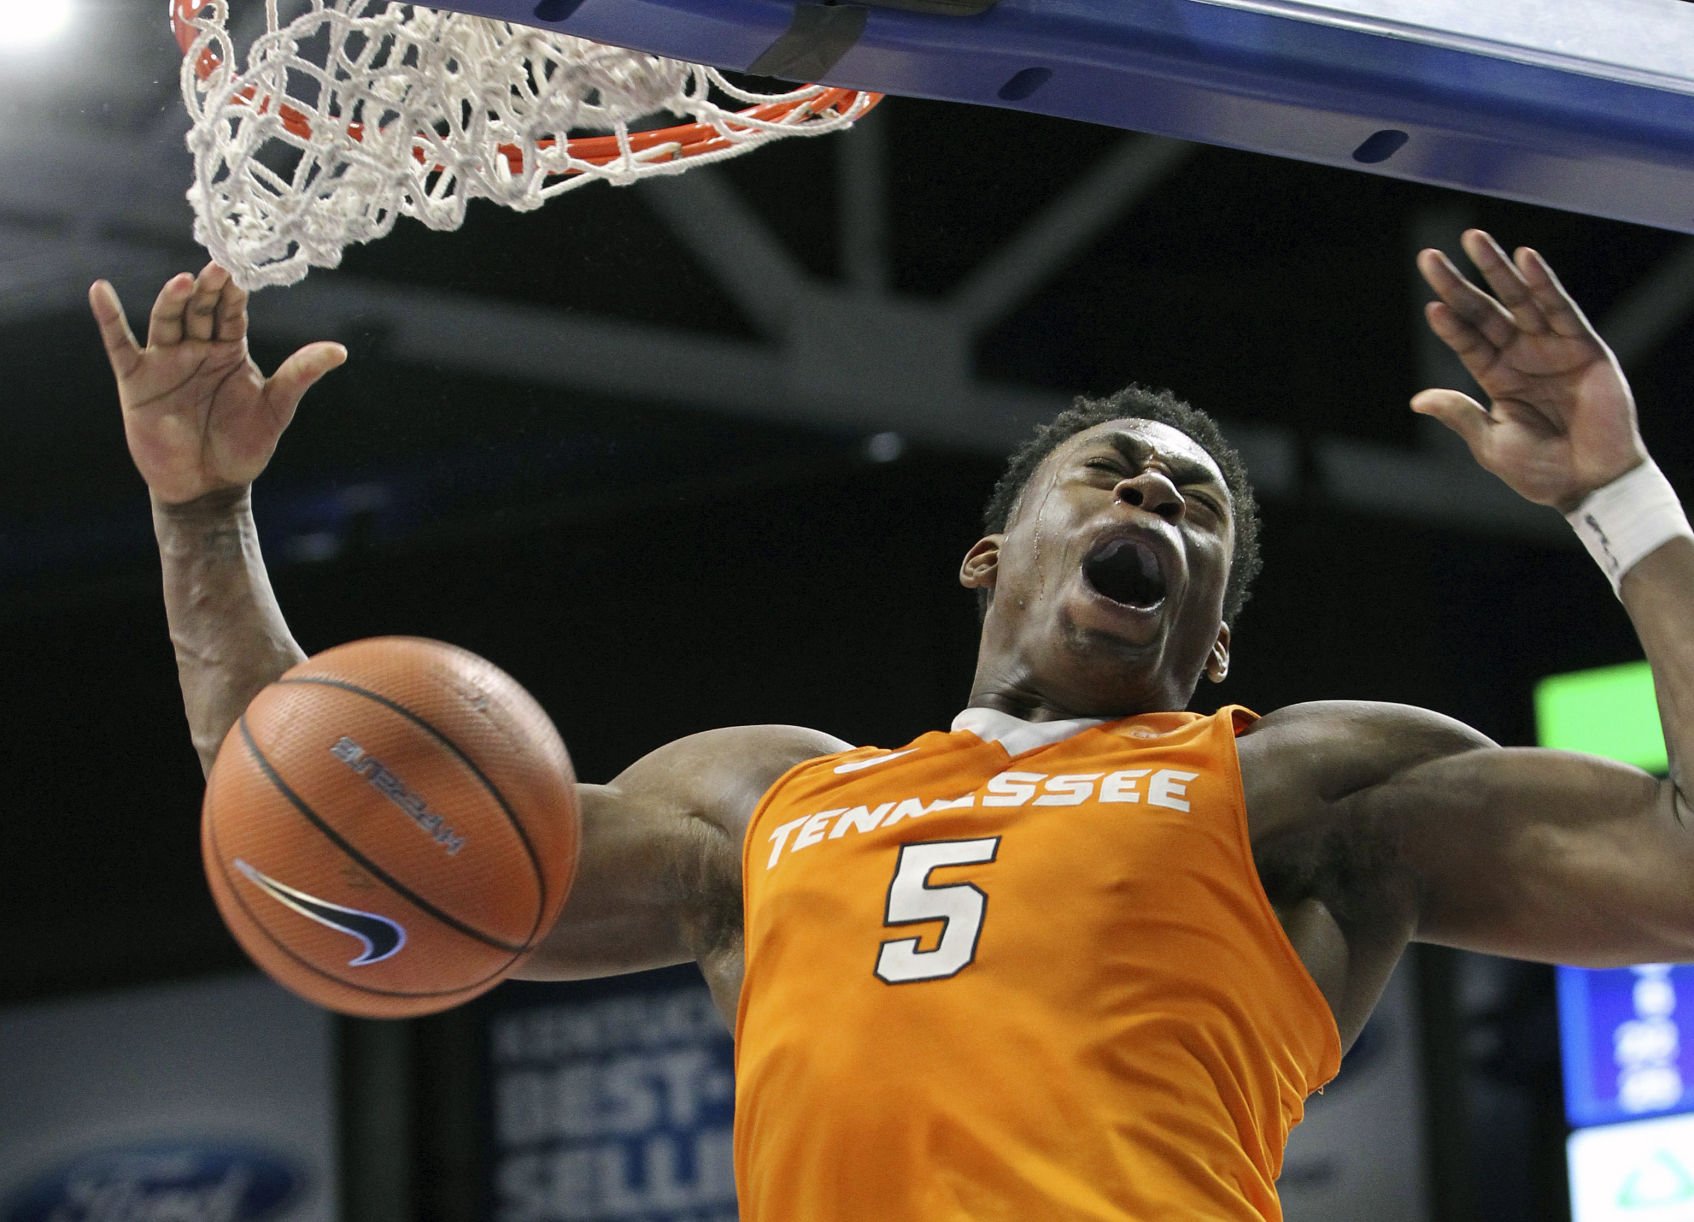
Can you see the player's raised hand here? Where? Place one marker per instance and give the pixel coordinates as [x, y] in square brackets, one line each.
[1561, 421]
[199, 415]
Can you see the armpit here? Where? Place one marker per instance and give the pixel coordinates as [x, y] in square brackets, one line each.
[1349, 865]
[706, 873]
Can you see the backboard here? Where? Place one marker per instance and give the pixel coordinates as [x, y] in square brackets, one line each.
[1587, 105]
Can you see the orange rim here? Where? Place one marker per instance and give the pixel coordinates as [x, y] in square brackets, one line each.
[690, 139]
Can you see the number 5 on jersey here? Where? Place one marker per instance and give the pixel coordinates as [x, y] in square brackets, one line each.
[958, 906]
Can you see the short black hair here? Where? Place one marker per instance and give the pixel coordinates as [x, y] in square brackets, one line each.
[1136, 402]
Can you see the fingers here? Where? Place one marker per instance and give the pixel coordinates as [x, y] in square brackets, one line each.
[299, 373]
[1486, 316]
[200, 316]
[207, 307]
[121, 349]
[1475, 350]
[1503, 278]
[232, 311]
[164, 325]
[1459, 412]
[1527, 302]
[1557, 306]
[1527, 296]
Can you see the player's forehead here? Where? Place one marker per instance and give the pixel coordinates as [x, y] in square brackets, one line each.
[1138, 437]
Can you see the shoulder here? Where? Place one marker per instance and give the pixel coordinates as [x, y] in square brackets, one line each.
[1315, 778]
[1306, 759]
[1356, 742]
[718, 776]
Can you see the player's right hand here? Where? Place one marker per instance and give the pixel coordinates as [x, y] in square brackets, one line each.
[198, 414]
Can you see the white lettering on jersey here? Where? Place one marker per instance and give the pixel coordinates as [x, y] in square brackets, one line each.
[952, 803]
[1165, 787]
[780, 838]
[1120, 786]
[1067, 790]
[1011, 788]
[860, 819]
[812, 830]
[909, 808]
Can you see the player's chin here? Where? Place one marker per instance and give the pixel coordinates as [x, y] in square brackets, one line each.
[1109, 656]
[1106, 674]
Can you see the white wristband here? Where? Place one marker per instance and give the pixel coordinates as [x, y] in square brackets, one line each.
[1629, 517]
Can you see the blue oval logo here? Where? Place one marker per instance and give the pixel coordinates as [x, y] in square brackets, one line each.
[195, 1181]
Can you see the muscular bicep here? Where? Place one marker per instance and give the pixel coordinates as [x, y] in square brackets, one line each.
[1543, 855]
[623, 910]
[659, 876]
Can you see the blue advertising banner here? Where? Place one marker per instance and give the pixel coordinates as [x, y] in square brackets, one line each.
[1628, 1046]
[207, 1101]
[180, 1179]
[609, 1100]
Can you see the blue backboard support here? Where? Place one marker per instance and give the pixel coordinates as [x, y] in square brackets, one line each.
[1586, 106]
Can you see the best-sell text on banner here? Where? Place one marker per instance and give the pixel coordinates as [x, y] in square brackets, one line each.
[610, 1101]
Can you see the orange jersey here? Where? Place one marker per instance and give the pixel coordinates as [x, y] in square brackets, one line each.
[1019, 971]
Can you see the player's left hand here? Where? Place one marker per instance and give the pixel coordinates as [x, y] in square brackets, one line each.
[1561, 419]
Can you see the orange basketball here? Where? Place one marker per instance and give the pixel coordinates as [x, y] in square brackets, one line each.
[390, 827]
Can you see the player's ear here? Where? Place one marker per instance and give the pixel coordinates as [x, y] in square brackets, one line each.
[981, 564]
[1217, 661]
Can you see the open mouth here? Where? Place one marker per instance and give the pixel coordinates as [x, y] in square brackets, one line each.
[1126, 571]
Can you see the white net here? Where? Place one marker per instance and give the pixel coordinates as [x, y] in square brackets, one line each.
[352, 113]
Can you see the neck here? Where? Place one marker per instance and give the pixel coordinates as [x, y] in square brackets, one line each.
[1029, 702]
[1025, 706]
[1063, 674]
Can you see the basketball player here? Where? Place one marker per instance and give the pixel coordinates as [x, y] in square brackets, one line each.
[1085, 955]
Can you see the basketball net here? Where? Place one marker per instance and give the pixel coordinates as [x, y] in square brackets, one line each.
[353, 113]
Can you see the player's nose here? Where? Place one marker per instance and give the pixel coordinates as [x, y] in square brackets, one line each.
[1153, 491]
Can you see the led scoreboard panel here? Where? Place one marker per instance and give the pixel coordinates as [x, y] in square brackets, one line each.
[1627, 1038]
[1626, 1034]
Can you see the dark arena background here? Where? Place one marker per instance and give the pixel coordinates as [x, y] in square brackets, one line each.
[708, 451]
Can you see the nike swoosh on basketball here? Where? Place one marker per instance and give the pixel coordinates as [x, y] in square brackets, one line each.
[382, 937]
[873, 761]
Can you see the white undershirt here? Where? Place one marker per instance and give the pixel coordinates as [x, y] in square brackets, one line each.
[1017, 735]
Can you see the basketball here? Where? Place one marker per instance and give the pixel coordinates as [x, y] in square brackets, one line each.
[390, 827]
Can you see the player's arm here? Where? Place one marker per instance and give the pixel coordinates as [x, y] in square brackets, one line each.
[659, 880]
[1541, 854]
[202, 421]
[659, 874]
[1450, 838]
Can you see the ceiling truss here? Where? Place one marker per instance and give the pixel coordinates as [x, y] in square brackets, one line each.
[849, 353]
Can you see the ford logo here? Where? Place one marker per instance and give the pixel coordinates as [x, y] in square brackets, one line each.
[184, 1181]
